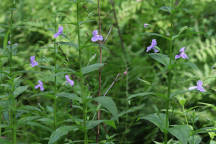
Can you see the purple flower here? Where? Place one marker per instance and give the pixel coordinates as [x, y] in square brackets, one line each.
[182, 54]
[152, 46]
[71, 82]
[96, 36]
[146, 25]
[199, 86]
[33, 62]
[60, 30]
[40, 85]
[9, 42]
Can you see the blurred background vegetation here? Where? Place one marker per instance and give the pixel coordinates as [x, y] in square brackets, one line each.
[33, 35]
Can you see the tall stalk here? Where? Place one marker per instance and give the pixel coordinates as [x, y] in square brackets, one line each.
[12, 101]
[82, 92]
[99, 71]
[55, 79]
[169, 73]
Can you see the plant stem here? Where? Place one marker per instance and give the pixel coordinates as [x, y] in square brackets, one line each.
[99, 88]
[55, 79]
[82, 93]
[185, 115]
[12, 100]
[169, 75]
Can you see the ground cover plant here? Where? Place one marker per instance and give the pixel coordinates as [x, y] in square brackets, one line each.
[107, 71]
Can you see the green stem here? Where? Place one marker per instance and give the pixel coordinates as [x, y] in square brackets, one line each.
[185, 115]
[55, 80]
[85, 110]
[12, 100]
[169, 74]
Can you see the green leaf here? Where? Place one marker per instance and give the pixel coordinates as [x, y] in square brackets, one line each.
[140, 95]
[180, 32]
[60, 132]
[132, 109]
[212, 142]
[91, 68]
[158, 119]
[69, 96]
[181, 132]
[161, 58]
[166, 9]
[93, 123]
[20, 90]
[196, 139]
[109, 104]
[110, 123]
[5, 43]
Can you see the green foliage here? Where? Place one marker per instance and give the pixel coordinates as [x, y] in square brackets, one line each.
[64, 114]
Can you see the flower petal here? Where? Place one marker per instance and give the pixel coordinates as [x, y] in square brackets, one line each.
[95, 32]
[100, 37]
[94, 39]
[177, 56]
[182, 49]
[192, 88]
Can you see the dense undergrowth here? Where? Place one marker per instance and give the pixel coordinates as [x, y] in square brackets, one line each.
[108, 72]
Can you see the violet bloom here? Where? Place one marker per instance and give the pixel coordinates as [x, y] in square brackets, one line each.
[182, 54]
[152, 46]
[40, 85]
[146, 25]
[96, 36]
[71, 82]
[9, 42]
[33, 61]
[60, 30]
[199, 86]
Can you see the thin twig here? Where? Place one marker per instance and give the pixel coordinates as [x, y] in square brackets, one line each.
[108, 34]
[115, 80]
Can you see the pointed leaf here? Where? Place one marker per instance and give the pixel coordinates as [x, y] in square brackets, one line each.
[60, 132]
[91, 68]
[93, 123]
[109, 104]
[181, 132]
[69, 96]
[158, 119]
[161, 58]
[196, 139]
[20, 90]
[140, 95]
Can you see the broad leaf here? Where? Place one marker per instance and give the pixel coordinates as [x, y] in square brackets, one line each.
[196, 139]
[60, 132]
[93, 123]
[181, 132]
[20, 90]
[161, 58]
[69, 96]
[158, 119]
[109, 104]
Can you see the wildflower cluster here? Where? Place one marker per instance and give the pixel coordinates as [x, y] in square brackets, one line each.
[182, 55]
[35, 63]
